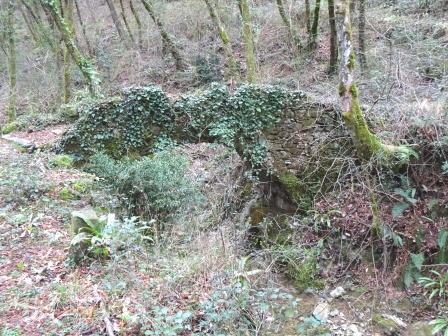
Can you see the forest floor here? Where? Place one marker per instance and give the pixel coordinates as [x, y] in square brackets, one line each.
[41, 293]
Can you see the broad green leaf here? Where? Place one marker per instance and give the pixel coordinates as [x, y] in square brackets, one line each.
[417, 260]
[441, 240]
[399, 208]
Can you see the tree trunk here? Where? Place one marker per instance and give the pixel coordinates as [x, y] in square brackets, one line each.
[12, 60]
[68, 16]
[41, 31]
[366, 143]
[248, 40]
[294, 36]
[83, 63]
[139, 24]
[83, 28]
[29, 25]
[361, 35]
[116, 20]
[225, 39]
[313, 34]
[125, 20]
[333, 38]
[166, 39]
[308, 16]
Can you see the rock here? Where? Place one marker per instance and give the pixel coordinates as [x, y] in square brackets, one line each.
[388, 324]
[334, 313]
[397, 320]
[439, 33]
[418, 329]
[337, 292]
[18, 141]
[321, 312]
[354, 330]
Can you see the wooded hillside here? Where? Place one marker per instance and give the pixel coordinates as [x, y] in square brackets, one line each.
[223, 167]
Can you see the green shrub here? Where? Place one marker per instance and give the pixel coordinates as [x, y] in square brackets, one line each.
[152, 187]
[207, 69]
[9, 128]
[62, 161]
[10, 332]
[105, 237]
[239, 309]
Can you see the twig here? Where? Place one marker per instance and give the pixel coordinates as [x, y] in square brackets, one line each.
[109, 327]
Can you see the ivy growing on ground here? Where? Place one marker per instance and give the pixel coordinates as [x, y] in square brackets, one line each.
[136, 121]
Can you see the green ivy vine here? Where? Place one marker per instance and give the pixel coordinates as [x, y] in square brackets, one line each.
[135, 122]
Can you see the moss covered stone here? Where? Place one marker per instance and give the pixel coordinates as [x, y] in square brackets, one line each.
[292, 185]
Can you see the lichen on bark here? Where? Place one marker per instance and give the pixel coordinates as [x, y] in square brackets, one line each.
[367, 143]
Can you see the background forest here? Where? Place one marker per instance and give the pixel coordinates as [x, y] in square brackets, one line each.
[223, 167]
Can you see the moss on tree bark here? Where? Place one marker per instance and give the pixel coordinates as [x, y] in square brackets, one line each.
[248, 41]
[367, 143]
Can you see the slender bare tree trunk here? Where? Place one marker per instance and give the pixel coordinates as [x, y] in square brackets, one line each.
[68, 16]
[116, 20]
[125, 20]
[29, 24]
[12, 59]
[83, 28]
[361, 35]
[308, 16]
[248, 40]
[313, 34]
[166, 39]
[366, 142]
[139, 24]
[84, 65]
[41, 31]
[333, 38]
[293, 34]
[225, 39]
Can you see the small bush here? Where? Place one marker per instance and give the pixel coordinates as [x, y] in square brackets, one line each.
[62, 161]
[105, 237]
[153, 187]
[9, 128]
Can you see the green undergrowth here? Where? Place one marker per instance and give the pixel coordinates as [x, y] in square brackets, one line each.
[151, 187]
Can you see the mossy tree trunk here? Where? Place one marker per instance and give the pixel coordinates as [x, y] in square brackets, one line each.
[225, 39]
[362, 35]
[308, 16]
[83, 28]
[333, 38]
[138, 22]
[166, 38]
[84, 65]
[367, 143]
[12, 59]
[42, 31]
[68, 16]
[315, 26]
[293, 34]
[248, 38]
[126, 22]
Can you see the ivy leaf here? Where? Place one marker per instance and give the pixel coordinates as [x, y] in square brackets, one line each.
[441, 240]
[417, 260]
[399, 208]
[408, 278]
